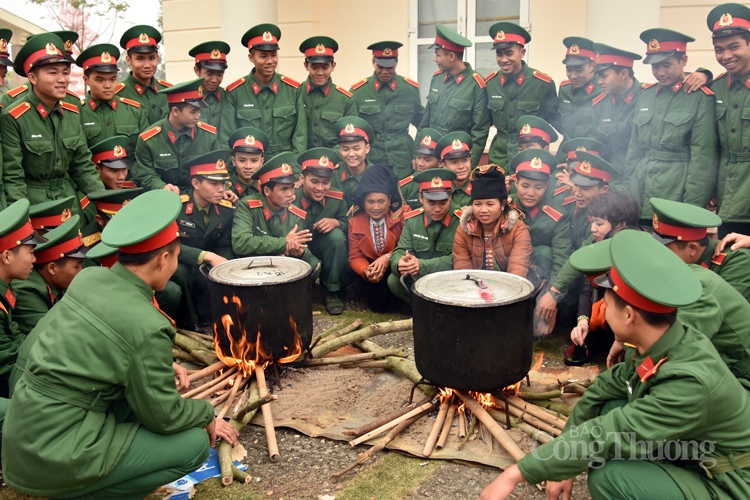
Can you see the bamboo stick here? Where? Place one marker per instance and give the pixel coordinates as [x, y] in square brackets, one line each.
[273, 447]
[538, 412]
[316, 313]
[362, 334]
[461, 423]
[469, 433]
[217, 401]
[528, 418]
[403, 366]
[446, 426]
[554, 408]
[207, 341]
[538, 396]
[391, 424]
[383, 420]
[498, 432]
[205, 372]
[351, 358]
[356, 324]
[232, 395]
[196, 349]
[183, 355]
[532, 431]
[436, 427]
[486, 436]
[241, 476]
[212, 383]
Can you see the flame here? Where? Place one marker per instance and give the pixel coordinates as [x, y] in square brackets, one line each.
[296, 349]
[483, 398]
[513, 389]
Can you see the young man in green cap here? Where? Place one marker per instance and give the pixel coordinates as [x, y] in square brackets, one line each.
[210, 64]
[671, 422]
[354, 138]
[425, 143]
[534, 133]
[163, 150]
[673, 151]
[134, 432]
[45, 155]
[141, 43]
[426, 243]
[265, 99]
[104, 115]
[327, 219]
[454, 152]
[567, 151]
[323, 107]
[113, 160]
[453, 105]
[390, 103]
[5, 36]
[580, 89]
[248, 147]
[514, 91]
[46, 216]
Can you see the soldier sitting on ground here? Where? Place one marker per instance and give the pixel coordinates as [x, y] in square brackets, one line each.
[248, 147]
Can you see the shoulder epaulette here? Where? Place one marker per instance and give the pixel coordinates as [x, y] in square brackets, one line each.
[436, 73]
[297, 211]
[596, 100]
[344, 91]
[721, 75]
[148, 134]
[564, 82]
[556, 216]
[19, 110]
[336, 195]
[206, 127]
[289, 81]
[411, 82]
[458, 213]
[569, 200]
[235, 84]
[254, 203]
[70, 92]
[91, 239]
[490, 76]
[561, 190]
[185, 198]
[166, 84]
[645, 86]
[543, 77]
[707, 90]
[226, 203]
[128, 185]
[69, 107]
[406, 180]
[18, 90]
[719, 259]
[359, 84]
[479, 80]
[130, 101]
[119, 87]
[85, 202]
[413, 213]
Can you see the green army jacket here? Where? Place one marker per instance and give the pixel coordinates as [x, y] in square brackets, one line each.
[580, 224]
[347, 183]
[673, 150]
[34, 299]
[212, 114]
[103, 362]
[576, 109]
[160, 153]
[333, 206]
[731, 265]
[153, 104]
[101, 120]
[240, 188]
[410, 192]
[196, 237]
[390, 108]
[461, 196]
[45, 155]
[277, 109]
[458, 103]
[11, 337]
[323, 107]
[13, 95]
[429, 241]
[689, 396]
[529, 92]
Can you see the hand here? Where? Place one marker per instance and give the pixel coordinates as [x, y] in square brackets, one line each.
[555, 489]
[414, 165]
[408, 264]
[213, 259]
[694, 81]
[738, 241]
[616, 354]
[546, 326]
[563, 178]
[324, 226]
[298, 183]
[171, 187]
[503, 485]
[378, 268]
[579, 333]
[546, 308]
[294, 249]
[218, 428]
[297, 240]
[229, 195]
[181, 375]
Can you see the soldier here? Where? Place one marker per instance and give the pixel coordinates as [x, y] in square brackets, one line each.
[515, 90]
[389, 102]
[327, 219]
[549, 228]
[567, 150]
[5, 36]
[141, 44]
[45, 156]
[264, 99]
[454, 151]
[426, 243]
[58, 261]
[46, 216]
[534, 133]
[113, 162]
[93, 447]
[323, 107]
[354, 137]
[163, 150]
[451, 106]
[673, 150]
[580, 89]
[425, 159]
[248, 147]
[210, 64]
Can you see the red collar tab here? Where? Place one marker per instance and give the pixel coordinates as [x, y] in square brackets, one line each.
[163, 237]
[459, 79]
[139, 89]
[629, 98]
[534, 212]
[677, 86]
[681, 233]
[590, 88]
[502, 79]
[256, 88]
[171, 136]
[520, 79]
[10, 298]
[628, 294]
[41, 110]
[647, 369]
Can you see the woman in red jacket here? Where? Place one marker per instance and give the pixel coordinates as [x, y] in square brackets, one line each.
[373, 234]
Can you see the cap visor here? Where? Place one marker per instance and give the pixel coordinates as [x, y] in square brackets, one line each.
[426, 151]
[319, 59]
[247, 149]
[79, 254]
[104, 68]
[289, 179]
[386, 62]
[604, 281]
[575, 61]
[435, 195]
[582, 180]
[457, 154]
[118, 164]
[4, 61]
[602, 67]
[215, 66]
[734, 30]
[197, 103]
[664, 240]
[537, 176]
[215, 177]
[320, 172]
[143, 49]
[657, 58]
[34, 239]
[504, 45]
[266, 46]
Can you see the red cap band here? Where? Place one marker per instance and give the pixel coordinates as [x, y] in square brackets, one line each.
[385, 53]
[319, 50]
[447, 45]
[572, 153]
[502, 37]
[140, 41]
[211, 56]
[103, 59]
[585, 168]
[613, 59]
[354, 131]
[681, 233]
[108, 208]
[436, 184]
[632, 297]
[16, 238]
[163, 237]
[428, 143]
[218, 167]
[316, 163]
[244, 142]
[284, 170]
[727, 21]
[177, 97]
[654, 47]
[262, 40]
[50, 220]
[109, 260]
[448, 149]
[579, 52]
[113, 154]
[39, 54]
[535, 165]
[537, 132]
[58, 251]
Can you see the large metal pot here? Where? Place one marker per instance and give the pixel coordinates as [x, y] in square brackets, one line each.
[266, 295]
[473, 329]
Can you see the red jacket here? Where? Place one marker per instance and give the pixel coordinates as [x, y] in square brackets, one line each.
[361, 247]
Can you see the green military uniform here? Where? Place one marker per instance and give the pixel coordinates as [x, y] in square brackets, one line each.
[212, 56]
[351, 129]
[536, 133]
[105, 391]
[731, 265]
[576, 108]
[426, 142]
[456, 145]
[50, 214]
[246, 140]
[566, 153]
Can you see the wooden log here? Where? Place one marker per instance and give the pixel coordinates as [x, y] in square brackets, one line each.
[383, 420]
[201, 388]
[557, 410]
[344, 331]
[205, 372]
[532, 431]
[196, 349]
[405, 367]
[273, 447]
[538, 396]
[537, 412]
[241, 476]
[461, 423]
[205, 340]
[351, 358]
[446, 426]
[392, 423]
[574, 389]
[362, 334]
[497, 432]
[183, 355]
[316, 313]
[226, 464]
[469, 433]
[529, 419]
[232, 395]
[437, 427]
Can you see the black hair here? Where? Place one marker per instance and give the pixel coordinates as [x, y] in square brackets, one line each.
[270, 185]
[745, 35]
[140, 259]
[179, 105]
[617, 207]
[651, 318]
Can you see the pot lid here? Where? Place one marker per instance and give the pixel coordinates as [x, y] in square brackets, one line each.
[260, 271]
[473, 288]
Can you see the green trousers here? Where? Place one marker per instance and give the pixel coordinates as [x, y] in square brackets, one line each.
[169, 298]
[394, 284]
[541, 258]
[192, 284]
[331, 250]
[152, 461]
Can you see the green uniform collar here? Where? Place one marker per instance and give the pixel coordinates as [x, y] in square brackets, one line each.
[129, 276]
[175, 135]
[95, 103]
[660, 349]
[459, 77]
[345, 174]
[379, 85]
[242, 188]
[268, 212]
[708, 254]
[741, 80]
[138, 86]
[630, 95]
[8, 294]
[42, 108]
[257, 86]
[325, 89]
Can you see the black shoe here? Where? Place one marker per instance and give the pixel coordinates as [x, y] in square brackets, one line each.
[334, 304]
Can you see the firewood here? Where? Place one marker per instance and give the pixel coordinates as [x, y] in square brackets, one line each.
[351, 358]
[484, 433]
[537, 412]
[469, 433]
[497, 432]
[461, 423]
[340, 333]
[232, 395]
[446, 426]
[205, 372]
[208, 385]
[574, 389]
[538, 396]
[206, 340]
[316, 313]
[403, 366]
[532, 431]
[560, 410]
[183, 355]
[383, 420]
[196, 349]
[519, 413]
[362, 334]
[241, 476]
[437, 427]
[392, 423]
[273, 447]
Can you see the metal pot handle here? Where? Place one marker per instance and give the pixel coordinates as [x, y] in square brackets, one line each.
[252, 263]
[538, 289]
[203, 268]
[402, 279]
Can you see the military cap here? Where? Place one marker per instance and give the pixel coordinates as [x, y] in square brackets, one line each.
[45, 48]
[145, 224]
[446, 38]
[674, 220]
[385, 53]
[190, 92]
[262, 37]
[435, 183]
[279, 169]
[505, 35]
[728, 19]
[579, 51]
[453, 145]
[211, 55]
[653, 278]
[111, 201]
[51, 214]
[427, 139]
[534, 129]
[15, 227]
[534, 164]
[105, 254]
[592, 170]
[68, 38]
[63, 241]
[141, 38]
[573, 146]
[661, 44]
[5, 36]
[209, 165]
[101, 57]
[609, 57]
[248, 140]
[592, 260]
[319, 161]
[112, 153]
[354, 128]
[319, 49]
